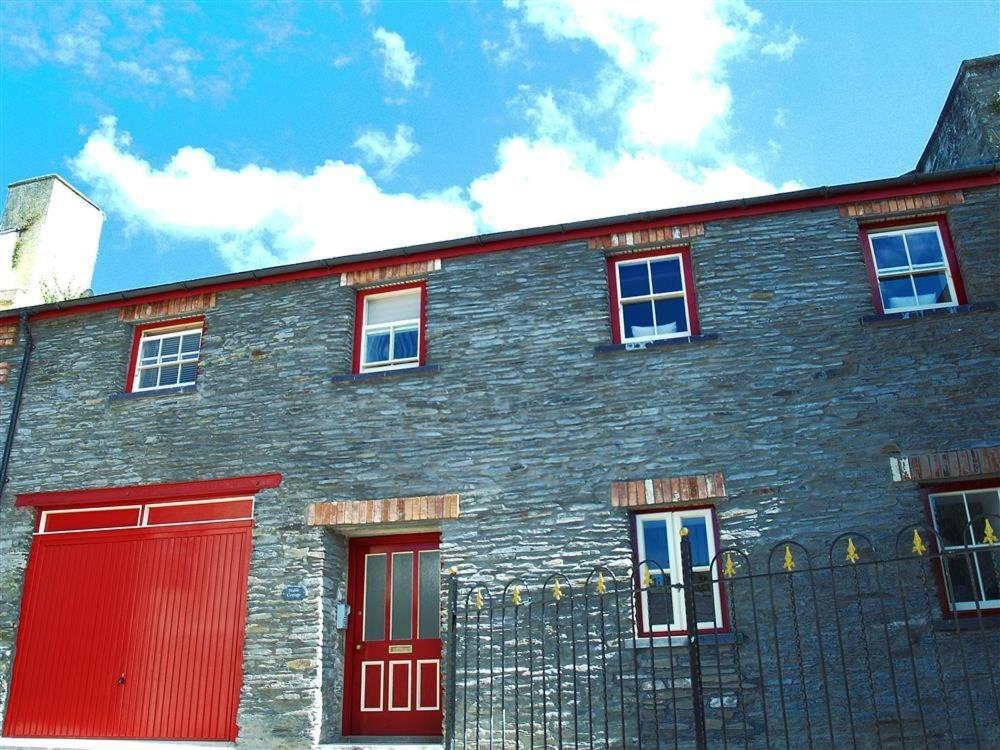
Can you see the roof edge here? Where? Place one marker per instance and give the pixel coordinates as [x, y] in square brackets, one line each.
[520, 238]
[58, 178]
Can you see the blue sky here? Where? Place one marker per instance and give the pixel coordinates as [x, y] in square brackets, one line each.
[223, 136]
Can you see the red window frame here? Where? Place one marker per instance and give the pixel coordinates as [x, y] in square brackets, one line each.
[642, 629]
[359, 321]
[137, 334]
[951, 259]
[937, 565]
[690, 293]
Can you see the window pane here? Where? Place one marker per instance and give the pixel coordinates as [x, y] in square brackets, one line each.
[949, 514]
[889, 252]
[429, 606]
[924, 247]
[634, 279]
[654, 542]
[897, 293]
[986, 504]
[189, 372]
[405, 344]
[191, 342]
[376, 347]
[659, 603]
[168, 375]
[704, 597]
[638, 319]
[961, 577]
[989, 572]
[698, 535]
[148, 378]
[671, 316]
[374, 598]
[932, 288]
[393, 307]
[401, 615]
[666, 275]
[150, 348]
[170, 346]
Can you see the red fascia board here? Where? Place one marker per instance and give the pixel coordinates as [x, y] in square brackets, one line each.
[146, 492]
[487, 245]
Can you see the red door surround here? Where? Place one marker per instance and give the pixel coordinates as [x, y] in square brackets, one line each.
[393, 681]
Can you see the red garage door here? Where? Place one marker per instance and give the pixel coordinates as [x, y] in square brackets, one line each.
[132, 622]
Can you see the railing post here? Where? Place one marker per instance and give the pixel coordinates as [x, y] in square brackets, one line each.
[451, 660]
[694, 652]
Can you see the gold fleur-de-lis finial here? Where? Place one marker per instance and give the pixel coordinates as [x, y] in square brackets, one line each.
[729, 569]
[647, 577]
[789, 560]
[852, 551]
[989, 535]
[556, 590]
[516, 596]
[918, 544]
[601, 586]
[478, 600]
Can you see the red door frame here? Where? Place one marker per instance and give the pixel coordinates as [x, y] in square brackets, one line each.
[353, 644]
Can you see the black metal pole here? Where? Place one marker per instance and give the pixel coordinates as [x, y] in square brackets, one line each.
[15, 409]
[451, 662]
[694, 652]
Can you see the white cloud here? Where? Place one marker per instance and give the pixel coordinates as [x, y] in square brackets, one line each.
[387, 152]
[780, 117]
[651, 131]
[783, 50]
[510, 49]
[257, 216]
[400, 65]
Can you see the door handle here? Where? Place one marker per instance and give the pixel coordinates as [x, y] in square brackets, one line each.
[121, 679]
[357, 647]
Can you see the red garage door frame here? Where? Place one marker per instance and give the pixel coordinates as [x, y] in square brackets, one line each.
[192, 519]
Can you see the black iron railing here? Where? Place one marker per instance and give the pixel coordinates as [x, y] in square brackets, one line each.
[853, 649]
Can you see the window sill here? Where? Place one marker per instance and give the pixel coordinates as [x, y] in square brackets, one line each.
[178, 391]
[990, 620]
[400, 373]
[702, 338]
[975, 307]
[729, 638]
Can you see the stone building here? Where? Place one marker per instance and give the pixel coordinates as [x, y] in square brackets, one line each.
[229, 504]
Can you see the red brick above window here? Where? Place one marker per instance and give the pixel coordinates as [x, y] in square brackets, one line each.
[644, 493]
[902, 204]
[168, 308]
[8, 334]
[948, 466]
[398, 272]
[642, 237]
[392, 510]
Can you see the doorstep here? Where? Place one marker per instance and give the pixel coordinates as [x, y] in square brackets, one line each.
[48, 743]
[381, 743]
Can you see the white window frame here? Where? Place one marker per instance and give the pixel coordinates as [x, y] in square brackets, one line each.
[158, 334]
[970, 555]
[392, 363]
[651, 297]
[911, 270]
[673, 573]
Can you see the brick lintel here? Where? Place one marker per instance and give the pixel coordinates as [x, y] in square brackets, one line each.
[927, 468]
[391, 510]
[644, 493]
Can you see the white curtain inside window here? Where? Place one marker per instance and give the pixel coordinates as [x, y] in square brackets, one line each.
[394, 307]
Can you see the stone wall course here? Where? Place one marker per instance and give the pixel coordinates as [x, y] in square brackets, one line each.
[794, 404]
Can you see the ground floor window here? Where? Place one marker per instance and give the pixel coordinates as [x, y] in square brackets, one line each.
[657, 547]
[968, 525]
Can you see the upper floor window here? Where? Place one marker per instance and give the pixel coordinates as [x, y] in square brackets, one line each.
[652, 296]
[913, 268]
[970, 563]
[390, 328]
[658, 560]
[166, 355]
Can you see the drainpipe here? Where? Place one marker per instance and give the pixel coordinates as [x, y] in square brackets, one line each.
[15, 410]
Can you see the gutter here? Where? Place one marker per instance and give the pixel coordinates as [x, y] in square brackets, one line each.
[987, 174]
[15, 410]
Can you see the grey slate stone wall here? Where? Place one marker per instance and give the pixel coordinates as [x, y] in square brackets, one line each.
[796, 403]
[968, 130]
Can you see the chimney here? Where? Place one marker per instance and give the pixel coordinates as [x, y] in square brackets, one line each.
[48, 242]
